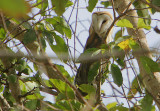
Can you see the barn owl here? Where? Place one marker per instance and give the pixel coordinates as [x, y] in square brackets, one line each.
[101, 21]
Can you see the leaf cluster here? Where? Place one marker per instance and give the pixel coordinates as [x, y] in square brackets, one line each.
[28, 72]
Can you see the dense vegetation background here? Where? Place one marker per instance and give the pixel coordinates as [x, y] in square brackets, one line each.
[39, 56]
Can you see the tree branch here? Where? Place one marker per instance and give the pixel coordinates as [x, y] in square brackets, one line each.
[152, 84]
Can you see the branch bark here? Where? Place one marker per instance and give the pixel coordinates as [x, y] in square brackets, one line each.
[4, 104]
[152, 84]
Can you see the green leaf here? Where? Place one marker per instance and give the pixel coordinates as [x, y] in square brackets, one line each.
[26, 71]
[93, 71]
[2, 34]
[58, 83]
[47, 83]
[12, 78]
[141, 24]
[153, 108]
[1, 88]
[124, 23]
[19, 67]
[14, 8]
[60, 25]
[61, 49]
[89, 52]
[23, 87]
[120, 108]
[69, 3]
[64, 72]
[22, 62]
[63, 105]
[133, 45]
[87, 88]
[29, 37]
[145, 66]
[61, 96]
[116, 74]
[149, 65]
[8, 97]
[147, 103]
[43, 43]
[3, 75]
[76, 105]
[35, 96]
[143, 13]
[35, 67]
[119, 34]
[33, 79]
[120, 39]
[59, 6]
[134, 88]
[43, 4]
[40, 27]
[120, 62]
[67, 31]
[31, 104]
[106, 4]
[91, 5]
[31, 85]
[111, 105]
[95, 53]
[63, 88]
[157, 3]
[114, 107]
[49, 36]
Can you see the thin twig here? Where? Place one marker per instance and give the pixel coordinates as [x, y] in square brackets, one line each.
[114, 13]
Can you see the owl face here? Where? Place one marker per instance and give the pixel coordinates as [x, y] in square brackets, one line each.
[101, 21]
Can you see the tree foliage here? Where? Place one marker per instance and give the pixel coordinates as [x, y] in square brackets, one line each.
[29, 73]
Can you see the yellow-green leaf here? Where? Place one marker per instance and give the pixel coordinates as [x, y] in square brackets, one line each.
[63, 88]
[133, 44]
[141, 24]
[2, 34]
[111, 105]
[124, 23]
[43, 4]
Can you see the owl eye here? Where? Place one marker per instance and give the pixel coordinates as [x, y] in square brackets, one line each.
[104, 21]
